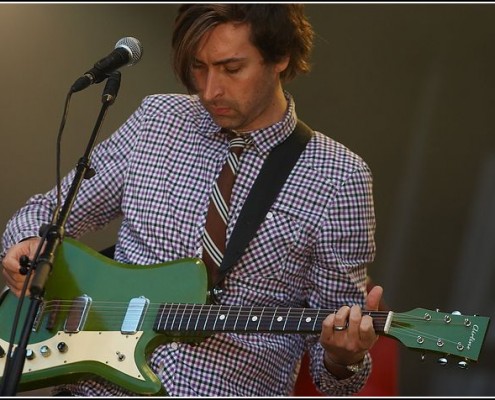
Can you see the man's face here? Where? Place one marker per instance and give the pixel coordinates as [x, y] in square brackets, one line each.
[237, 88]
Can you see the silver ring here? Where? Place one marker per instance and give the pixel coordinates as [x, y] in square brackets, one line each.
[339, 328]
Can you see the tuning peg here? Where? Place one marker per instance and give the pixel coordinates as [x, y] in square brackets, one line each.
[443, 361]
[423, 356]
[462, 364]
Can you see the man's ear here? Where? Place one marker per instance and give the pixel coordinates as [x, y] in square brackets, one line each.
[281, 66]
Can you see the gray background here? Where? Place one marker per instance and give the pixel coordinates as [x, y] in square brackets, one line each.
[409, 87]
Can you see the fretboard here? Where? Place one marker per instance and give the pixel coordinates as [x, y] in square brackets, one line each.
[222, 318]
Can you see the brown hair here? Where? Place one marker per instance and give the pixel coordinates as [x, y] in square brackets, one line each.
[277, 31]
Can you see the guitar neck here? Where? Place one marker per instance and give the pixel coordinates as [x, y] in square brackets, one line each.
[223, 318]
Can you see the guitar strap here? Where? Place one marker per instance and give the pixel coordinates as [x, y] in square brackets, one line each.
[267, 185]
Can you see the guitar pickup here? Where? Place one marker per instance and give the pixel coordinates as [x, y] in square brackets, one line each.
[135, 315]
[78, 313]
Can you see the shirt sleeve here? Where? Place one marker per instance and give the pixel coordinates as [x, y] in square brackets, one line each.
[98, 199]
[345, 246]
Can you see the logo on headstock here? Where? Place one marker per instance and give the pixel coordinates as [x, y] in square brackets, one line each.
[472, 338]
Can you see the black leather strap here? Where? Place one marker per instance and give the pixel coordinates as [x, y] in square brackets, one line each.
[267, 185]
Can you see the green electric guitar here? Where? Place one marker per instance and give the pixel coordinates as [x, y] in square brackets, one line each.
[100, 317]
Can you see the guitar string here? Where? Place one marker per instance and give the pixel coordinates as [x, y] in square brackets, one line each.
[68, 304]
[239, 311]
[65, 305]
[290, 319]
[291, 316]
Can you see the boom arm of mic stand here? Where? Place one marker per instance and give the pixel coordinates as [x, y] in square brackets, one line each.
[44, 264]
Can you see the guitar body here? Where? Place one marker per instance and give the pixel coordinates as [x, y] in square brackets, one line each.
[70, 342]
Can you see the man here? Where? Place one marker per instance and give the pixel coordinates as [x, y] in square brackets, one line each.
[157, 172]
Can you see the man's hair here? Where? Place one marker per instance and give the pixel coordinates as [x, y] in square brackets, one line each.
[277, 31]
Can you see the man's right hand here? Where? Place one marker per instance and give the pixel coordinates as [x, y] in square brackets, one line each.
[11, 266]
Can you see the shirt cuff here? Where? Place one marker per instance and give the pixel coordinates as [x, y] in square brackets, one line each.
[330, 384]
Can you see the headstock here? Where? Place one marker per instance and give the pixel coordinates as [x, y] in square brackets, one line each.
[450, 334]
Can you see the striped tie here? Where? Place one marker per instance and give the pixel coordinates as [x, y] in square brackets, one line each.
[214, 238]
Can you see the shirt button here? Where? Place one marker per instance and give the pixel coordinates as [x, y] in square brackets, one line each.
[161, 368]
[269, 215]
[174, 345]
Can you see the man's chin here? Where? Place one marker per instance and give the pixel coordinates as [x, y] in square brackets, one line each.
[224, 122]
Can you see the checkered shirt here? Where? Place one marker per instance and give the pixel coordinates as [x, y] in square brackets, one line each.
[156, 172]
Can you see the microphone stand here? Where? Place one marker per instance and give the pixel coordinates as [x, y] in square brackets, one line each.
[53, 235]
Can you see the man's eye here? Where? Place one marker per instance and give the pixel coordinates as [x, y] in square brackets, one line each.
[232, 70]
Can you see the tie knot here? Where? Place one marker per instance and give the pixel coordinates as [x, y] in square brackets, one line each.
[237, 144]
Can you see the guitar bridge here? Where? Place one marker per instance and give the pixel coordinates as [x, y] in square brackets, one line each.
[38, 318]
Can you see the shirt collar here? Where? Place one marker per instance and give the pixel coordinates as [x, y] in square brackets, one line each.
[264, 140]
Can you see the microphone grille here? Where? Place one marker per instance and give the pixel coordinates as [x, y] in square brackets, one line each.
[133, 46]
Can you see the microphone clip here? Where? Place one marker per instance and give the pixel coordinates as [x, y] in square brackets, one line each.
[111, 88]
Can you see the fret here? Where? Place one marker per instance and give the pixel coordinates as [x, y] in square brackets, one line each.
[160, 323]
[266, 322]
[289, 321]
[297, 316]
[295, 319]
[226, 318]
[307, 321]
[198, 319]
[190, 316]
[158, 320]
[248, 318]
[300, 320]
[242, 318]
[182, 316]
[173, 316]
[317, 317]
[205, 315]
[165, 324]
[253, 318]
[286, 318]
[219, 310]
[273, 318]
[260, 319]
[223, 316]
[171, 326]
[208, 326]
[280, 319]
[231, 323]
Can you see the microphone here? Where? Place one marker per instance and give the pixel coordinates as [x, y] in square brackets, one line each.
[128, 51]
